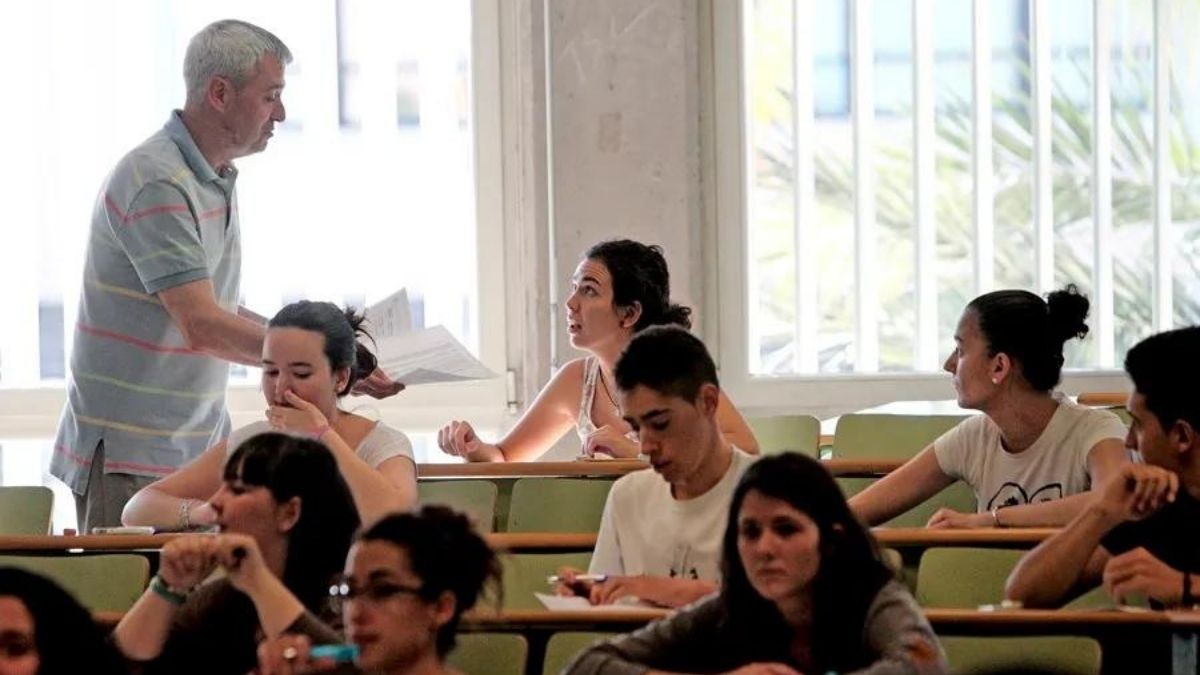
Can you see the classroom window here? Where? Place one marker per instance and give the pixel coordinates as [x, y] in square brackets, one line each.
[898, 157]
[371, 184]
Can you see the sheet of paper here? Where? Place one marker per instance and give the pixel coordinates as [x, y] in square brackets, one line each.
[428, 355]
[390, 317]
[574, 603]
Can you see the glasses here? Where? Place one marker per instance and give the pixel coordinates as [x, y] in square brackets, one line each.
[14, 645]
[377, 593]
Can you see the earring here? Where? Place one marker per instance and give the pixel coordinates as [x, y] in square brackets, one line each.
[995, 380]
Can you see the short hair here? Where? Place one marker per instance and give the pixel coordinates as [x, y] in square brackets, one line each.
[1164, 370]
[228, 48]
[289, 467]
[341, 330]
[639, 274]
[446, 553]
[1031, 331]
[667, 359]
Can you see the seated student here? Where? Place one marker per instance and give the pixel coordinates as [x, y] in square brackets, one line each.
[804, 591]
[1140, 534]
[408, 580]
[311, 357]
[1032, 452]
[660, 536]
[45, 631]
[619, 288]
[287, 520]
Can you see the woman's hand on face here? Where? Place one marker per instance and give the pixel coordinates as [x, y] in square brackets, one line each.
[458, 438]
[302, 418]
[765, 669]
[609, 440]
[184, 562]
[949, 519]
[288, 655]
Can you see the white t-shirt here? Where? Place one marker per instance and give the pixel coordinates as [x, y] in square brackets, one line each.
[647, 531]
[1055, 466]
[379, 445]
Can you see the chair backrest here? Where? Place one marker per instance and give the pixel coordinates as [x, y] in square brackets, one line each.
[1048, 654]
[557, 504]
[561, 648]
[958, 496]
[25, 509]
[964, 577]
[879, 436]
[490, 654]
[797, 433]
[101, 583]
[525, 574]
[476, 498]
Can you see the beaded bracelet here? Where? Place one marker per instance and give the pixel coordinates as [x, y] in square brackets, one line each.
[162, 590]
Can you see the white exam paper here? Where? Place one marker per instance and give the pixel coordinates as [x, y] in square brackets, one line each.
[390, 317]
[574, 603]
[428, 355]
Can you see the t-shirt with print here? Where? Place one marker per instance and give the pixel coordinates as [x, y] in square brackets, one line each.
[1055, 466]
[379, 445]
[1172, 534]
[646, 531]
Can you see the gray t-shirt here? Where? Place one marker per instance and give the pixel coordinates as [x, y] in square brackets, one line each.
[379, 445]
[1055, 466]
[163, 218]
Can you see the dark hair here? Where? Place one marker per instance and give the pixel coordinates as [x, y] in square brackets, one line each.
[341, 329]
[667, 359]
[1164, 370]
[848, 578]
[446, 553]
[639, 274]
[1031, 330]
[300, 467]
[67, 637]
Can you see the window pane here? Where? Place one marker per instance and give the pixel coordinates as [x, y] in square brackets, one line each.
[1185, 156]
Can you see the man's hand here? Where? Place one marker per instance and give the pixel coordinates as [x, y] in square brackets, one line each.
[1139, 572]
[946, 518]
[377, 385]
[1137, 491]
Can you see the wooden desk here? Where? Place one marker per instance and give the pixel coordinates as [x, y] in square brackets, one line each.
[921, 537]
[616, 468]
[1102, 399]
[85, 542]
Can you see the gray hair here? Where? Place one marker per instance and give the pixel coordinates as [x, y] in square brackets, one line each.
[228, 48]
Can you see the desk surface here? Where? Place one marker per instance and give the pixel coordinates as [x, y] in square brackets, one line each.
[615, 467]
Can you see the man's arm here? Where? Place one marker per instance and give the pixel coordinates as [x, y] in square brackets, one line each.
[210, 329]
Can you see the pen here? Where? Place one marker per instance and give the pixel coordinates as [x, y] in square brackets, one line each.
[597, 578]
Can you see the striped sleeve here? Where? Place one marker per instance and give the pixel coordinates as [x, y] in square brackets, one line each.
[159, 234]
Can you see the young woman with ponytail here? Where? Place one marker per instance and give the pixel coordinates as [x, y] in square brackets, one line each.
[1033, 452]
[620, 287]
[312, 357]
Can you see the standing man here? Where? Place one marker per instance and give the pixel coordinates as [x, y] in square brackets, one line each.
[1139, 536]
[159, 320]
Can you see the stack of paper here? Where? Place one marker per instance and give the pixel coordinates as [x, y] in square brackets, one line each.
[421, 356]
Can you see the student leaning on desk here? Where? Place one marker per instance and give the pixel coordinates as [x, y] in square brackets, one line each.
[619, 288]
[1033, 453]
[311, 358]
[1140, 535]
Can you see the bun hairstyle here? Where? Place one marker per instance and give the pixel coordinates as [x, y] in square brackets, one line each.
[446, 554]
[341, 328]
[639, 275]
[1032, 331]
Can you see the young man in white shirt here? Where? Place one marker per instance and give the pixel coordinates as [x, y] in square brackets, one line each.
[660, 537]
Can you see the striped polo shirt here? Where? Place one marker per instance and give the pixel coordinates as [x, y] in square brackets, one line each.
[163, 218]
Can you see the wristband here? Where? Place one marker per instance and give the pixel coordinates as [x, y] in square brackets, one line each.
[162, 590]
[185, 514]
[1185, 599]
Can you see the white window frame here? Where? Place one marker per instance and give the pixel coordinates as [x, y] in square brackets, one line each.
[33, 412]
[833, 394]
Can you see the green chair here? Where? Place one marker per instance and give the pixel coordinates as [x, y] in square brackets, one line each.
[25, 509]
[557, 504]
[879, 436]
[525, 574]
[561, 648]
[101, 583]
[490, 654]
[476, 498]
[964, 577]
[797, 433]
[1048, 654]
